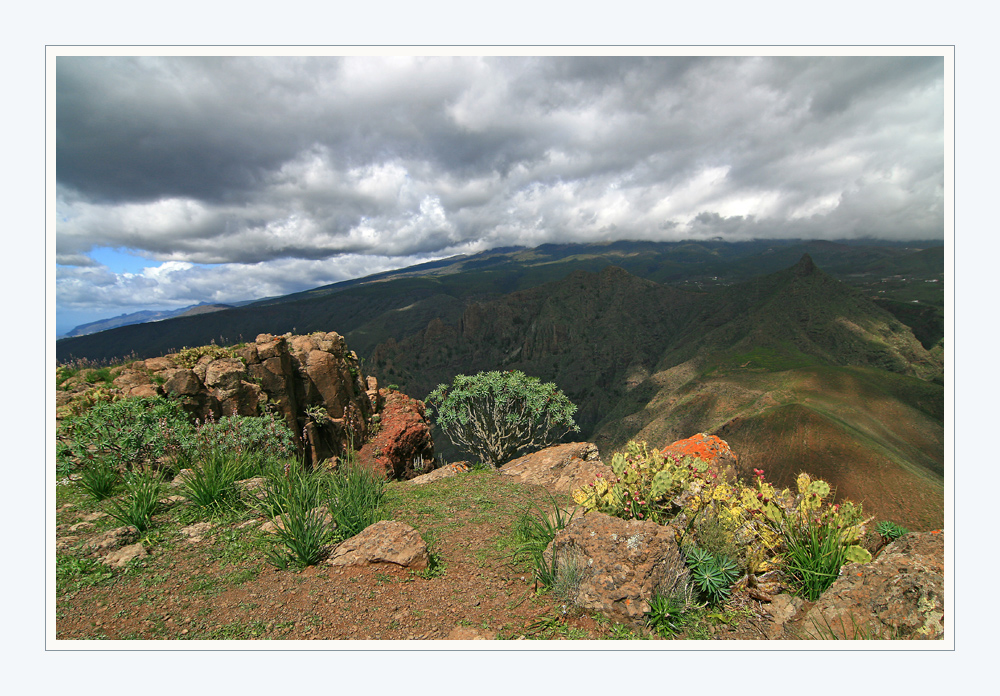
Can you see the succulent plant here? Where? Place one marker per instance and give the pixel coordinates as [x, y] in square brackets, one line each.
[891, 530]
[712, 575]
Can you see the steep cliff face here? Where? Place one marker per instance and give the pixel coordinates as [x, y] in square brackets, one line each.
[314, 382]
[590, 333]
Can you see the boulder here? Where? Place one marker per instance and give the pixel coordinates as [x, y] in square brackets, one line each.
[898, 595]
[446, 471]
[112, 539]
[383, 542]
[709, 448]
[197, 531]
[158, 364]
[403, 447]
[224, 373]
[559, 469]
[183, 382]
[119, 558]
[614, 566]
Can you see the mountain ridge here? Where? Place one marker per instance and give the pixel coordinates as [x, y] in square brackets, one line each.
[362, 309]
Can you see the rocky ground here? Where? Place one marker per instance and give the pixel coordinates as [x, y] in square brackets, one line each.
[217, 584]
[455, 573]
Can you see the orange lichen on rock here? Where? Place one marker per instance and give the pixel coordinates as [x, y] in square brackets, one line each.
[710, 448]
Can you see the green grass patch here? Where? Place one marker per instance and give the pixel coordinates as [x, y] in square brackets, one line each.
[74, 573]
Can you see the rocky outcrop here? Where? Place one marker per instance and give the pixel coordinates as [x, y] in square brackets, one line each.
[383, 542]
[898, 595]
[559, 469]
[402, 446]
[614, 566]
[314, 382]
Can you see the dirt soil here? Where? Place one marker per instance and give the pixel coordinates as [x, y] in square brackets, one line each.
[222, 587]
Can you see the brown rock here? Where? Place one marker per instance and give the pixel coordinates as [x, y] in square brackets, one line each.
[403, 443]
[447, 471]
[269, 346]
[243, 399]
[158, 364]
[183, 383]
[782, 609]
[112, 539]
[559, 469]
[196, 532]
[383, 542]
[253, 488]
[224, 373]
[128, 379]
[470, 633]
[899, 595]
[125, 554]
[143, 390]
[615, 566]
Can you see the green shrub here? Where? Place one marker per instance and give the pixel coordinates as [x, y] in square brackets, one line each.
[294, 496]
[99, 478]
[497, 416]
[129, 433]
[668, 613]
[211, 475]
[73, 573]
[140, 502]
[102, 374]
[644, 484]
[189, 357]
[533, 533]
[357, 498]
[255, 440]
[815, 553]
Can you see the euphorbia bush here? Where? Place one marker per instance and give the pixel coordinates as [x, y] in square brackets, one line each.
[497, 416]
[127, 434]
[254, 438]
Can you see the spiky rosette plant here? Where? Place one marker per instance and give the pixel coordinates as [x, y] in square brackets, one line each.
[497, 416]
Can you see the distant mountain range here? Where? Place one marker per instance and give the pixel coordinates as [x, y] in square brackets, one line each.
[146, 316]
[817, 356]
[368, 311]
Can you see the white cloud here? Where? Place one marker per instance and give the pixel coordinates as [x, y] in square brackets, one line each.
[322, 167]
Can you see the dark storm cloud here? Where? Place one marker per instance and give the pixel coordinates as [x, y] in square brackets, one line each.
[258, 161]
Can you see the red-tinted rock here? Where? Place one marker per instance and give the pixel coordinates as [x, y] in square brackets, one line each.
[709, 448]
[403, 438]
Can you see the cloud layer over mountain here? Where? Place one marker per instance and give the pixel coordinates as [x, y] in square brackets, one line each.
[245, 177]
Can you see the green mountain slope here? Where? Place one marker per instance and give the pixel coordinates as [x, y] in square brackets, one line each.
[443, 288]
[797, 316]
[797, 370]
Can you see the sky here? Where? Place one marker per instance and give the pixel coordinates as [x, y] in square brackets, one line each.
[182, 180]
